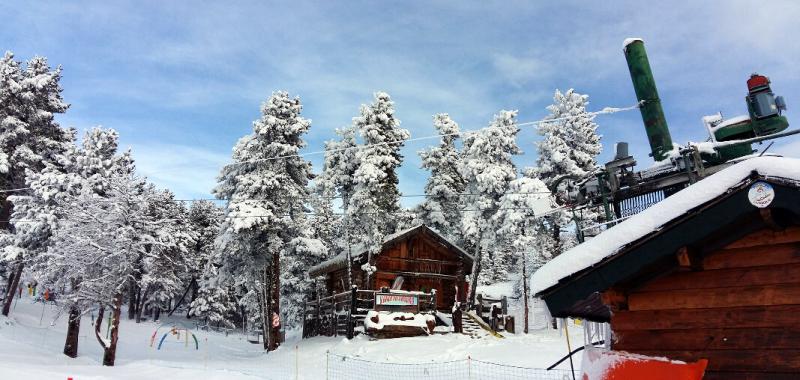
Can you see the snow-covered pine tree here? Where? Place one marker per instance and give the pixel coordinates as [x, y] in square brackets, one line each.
[37, 214]
[569, 147]
[339, 168]
[487, 168]
[302, 252]
[519, 233]
[168, 262]
[325, 224]
[204, 220]
[440, 210]
[376, 198]
[265, 200]
[29, 137]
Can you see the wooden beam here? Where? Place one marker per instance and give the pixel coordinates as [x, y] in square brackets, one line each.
[776, 254]
[615, 299]
[736, 317]
[786, 294]
[768, 237]
[762, 275]
[684, 261]
[421, 275]
[769, 219]
[712, 339]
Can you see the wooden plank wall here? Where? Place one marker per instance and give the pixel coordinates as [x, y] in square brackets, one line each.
[741, 310]
[420, 254]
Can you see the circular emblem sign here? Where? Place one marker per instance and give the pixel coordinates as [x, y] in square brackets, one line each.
[761, 194]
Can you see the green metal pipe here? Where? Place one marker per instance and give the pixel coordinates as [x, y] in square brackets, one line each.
[652, 115]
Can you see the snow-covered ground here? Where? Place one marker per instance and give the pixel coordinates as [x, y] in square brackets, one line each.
[32, 351]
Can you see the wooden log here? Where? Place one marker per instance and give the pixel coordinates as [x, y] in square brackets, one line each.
[711, 339]
[787, 294]
[764, 275]
[738, 317]
[761, 360]
[776, 254]
[396, 331]
[767, 237]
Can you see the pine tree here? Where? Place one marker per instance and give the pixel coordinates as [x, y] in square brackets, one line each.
[487, 169]
[29, 138]
[265, 200]
[440, 210]
[569, 148]
[519, 232]
[376, 198]
[37, 214]
[340, 166]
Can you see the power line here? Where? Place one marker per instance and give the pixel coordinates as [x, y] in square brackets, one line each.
[604, 111]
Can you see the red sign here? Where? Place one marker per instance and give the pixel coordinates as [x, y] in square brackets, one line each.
[396, 302]
[276, 320]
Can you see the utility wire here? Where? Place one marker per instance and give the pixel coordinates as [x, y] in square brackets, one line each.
[604, 111]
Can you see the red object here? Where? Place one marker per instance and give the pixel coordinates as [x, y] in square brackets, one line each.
[757, 81]
[600, 364]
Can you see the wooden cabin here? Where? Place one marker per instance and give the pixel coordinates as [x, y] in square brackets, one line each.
[712, 272]
[419, 258]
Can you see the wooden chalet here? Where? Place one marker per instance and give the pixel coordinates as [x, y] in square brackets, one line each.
[712, 272]
[421, 256]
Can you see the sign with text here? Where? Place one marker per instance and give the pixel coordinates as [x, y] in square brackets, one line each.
[408, 303]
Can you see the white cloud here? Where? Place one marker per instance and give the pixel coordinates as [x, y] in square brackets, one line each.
[189, 172]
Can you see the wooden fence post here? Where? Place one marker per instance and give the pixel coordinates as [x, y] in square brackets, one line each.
[504, 305]
[458, 326]
[479, 305]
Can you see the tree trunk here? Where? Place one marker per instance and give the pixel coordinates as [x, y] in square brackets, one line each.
[12, 290]
[111, 352]
[98, 324]
[132, 302]
[263, 307]
[141, 298]
[180, 301]
[525, 290]
[156, 314]
[476, 272]
[73, 331]
[275, 299]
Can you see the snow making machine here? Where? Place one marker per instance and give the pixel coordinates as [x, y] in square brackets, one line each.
[623, 192]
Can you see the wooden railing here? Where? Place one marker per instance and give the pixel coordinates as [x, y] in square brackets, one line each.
[341, 314]
[493, 314]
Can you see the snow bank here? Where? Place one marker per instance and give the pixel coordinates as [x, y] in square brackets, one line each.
[652, 219]
[396, 319]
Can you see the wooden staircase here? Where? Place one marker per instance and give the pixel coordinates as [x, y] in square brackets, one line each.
[476, 328]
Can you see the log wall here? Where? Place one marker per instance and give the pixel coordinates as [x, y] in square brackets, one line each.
[740, 309]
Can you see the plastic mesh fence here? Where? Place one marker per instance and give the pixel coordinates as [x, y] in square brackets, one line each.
[344, 367]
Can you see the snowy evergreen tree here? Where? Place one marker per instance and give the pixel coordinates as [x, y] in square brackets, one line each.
[325, 224]
[487, 169]
[265, 201]
[340, 166]
[570, 144]
[36, 215]
[30, 97]
[440, 210]
[376, 198]
[302, 253]
[569, 147]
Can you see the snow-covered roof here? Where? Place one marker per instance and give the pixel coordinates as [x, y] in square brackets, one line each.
[340, 260]
[731, 121]
[655, 217]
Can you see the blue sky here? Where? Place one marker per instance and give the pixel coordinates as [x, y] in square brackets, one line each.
[182, 81]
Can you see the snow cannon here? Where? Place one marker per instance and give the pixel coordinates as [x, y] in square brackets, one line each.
[763, 122]
[649, 103]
